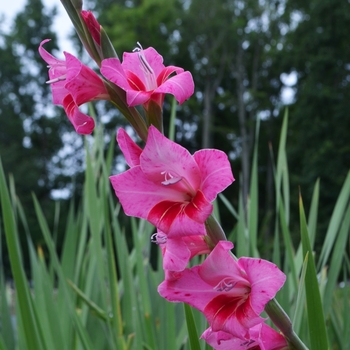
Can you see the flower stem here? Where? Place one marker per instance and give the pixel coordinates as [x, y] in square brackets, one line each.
[281, 320]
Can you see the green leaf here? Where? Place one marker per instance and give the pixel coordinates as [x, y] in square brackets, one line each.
[336, 221]
[299, 305]
[33, 339]
[83, 335]
[336, 261]
[191, 327]
[316, 322]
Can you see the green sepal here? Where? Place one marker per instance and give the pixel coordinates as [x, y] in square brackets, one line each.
[154, 115]
[107, 49]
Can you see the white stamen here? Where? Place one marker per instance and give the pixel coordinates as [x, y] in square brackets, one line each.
[150, 78]
[158, 238]
[225, 285]
[52, 81]
[170, 179]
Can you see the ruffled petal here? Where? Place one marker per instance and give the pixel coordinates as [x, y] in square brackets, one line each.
[268, 338]
[163, 156]
[130, 149]
[266, 280]
[112, 69]
[137, 194]
[224, 341]
[181, 86]
[188, 287]
[51, 60]
[131, 61]
[166, 72]
[83, 124]
[135, 97]
[176, 255]
[215, 171]
[170, 217]
[82, 82]
[57, 69]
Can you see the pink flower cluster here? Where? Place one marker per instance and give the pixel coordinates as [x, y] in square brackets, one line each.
[174, 190]
[141, 74]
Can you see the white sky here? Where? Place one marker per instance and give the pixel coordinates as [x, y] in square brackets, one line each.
[62, 24]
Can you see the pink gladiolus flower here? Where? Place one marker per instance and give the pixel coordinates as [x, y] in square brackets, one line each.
[262, 337]
[93, 25]
[144, 77]
[73, 84]
[177, 252]
[231, 294]
[168, 186]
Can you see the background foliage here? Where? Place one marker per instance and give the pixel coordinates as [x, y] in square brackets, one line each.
[240, 54]
[243, 55]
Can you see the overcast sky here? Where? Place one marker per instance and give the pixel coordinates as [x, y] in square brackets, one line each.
[62, 24]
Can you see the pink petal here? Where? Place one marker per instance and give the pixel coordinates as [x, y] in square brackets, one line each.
[177, 252]
[197, 245]
[215, 171]
[135, 82]
[260, 337]
[178, 219]
[112, 69]
[224, 341]
[130, 149]
[82, 123]
[219, 264]
[228, 313]
[199, 208]
[166, 72]
[135, 98]
[188, 287]
[266, 280]
[57, 69]
[176, 255]
[137, 194]
[92, 24]
[243, 319]
[162, 155]
[181, 86]
[131, 62]
[82, 82]
[268, 338]
[49, 59]
[59, 92]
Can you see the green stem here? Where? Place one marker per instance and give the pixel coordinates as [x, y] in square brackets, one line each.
[281, 320]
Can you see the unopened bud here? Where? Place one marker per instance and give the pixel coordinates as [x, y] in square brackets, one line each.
[92, 25]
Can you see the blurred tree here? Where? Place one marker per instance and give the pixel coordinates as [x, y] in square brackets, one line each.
[29, 135]
[318, 53]
[228, 46]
